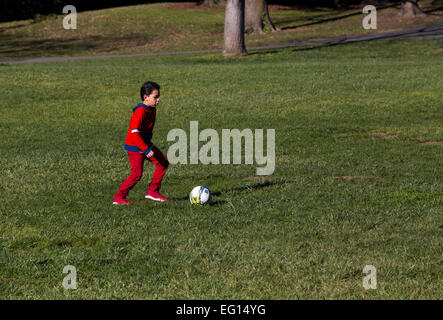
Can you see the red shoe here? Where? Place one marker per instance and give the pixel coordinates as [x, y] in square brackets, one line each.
[156, 196]
[120, 200]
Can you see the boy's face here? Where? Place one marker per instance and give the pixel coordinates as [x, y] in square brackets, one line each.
[153, 99]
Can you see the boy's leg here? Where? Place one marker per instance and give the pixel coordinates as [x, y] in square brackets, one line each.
[161, 165]
[136, 160]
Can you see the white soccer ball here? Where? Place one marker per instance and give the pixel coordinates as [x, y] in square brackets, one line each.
[200, 195]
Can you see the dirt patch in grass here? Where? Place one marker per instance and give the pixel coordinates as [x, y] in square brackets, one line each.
[423, 142]
[432, 143]
[383, 135]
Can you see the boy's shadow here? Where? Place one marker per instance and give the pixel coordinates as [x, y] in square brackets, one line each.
[218, 202]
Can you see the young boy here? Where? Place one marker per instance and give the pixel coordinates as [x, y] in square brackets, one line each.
[140, 148]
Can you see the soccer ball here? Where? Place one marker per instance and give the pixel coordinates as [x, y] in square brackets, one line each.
[200, 195]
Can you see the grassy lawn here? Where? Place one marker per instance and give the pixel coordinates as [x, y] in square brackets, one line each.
[165, 27]
[357, 182]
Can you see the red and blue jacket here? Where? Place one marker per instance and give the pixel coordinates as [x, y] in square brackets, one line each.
[141, 125]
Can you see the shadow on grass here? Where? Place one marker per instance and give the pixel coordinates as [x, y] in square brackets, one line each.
[307, 20]
[218, 193]
[430, 11]
[13, 27]
[359, 12]
[219, 202]
[434, 31]
[13, 47]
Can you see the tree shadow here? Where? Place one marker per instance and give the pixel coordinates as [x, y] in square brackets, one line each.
[261, 52]
[314, 17]
[430, 11]
[434, 31]
[14, 27]
[335, 18]
[13, 47]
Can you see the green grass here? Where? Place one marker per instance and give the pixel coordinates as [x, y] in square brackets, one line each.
[304, 232]
[160, 28]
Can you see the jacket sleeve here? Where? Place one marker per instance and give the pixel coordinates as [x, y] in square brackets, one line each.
[135, 129]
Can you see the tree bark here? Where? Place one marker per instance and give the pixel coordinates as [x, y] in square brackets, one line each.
[268, 18]
[255, 12]
[253, 16]
[234, 35]
[410, 8]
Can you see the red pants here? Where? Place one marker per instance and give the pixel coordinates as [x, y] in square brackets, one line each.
[137, 159]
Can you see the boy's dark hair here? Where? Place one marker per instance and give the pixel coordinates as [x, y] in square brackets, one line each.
[147, 88]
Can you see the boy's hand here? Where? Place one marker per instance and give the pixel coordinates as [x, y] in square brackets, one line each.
[150, 154]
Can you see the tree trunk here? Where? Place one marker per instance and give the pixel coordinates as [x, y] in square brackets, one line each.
[410, 8]
[234, 36]
[255, 12]
[253, 16]
[268, 18]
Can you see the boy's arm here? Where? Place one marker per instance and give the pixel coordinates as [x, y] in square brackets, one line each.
[134, 127]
